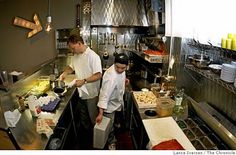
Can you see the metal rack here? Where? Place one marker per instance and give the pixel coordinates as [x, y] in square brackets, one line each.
[212, 76]
[225, 53]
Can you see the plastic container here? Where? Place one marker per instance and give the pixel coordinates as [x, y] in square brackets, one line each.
[198, 132]
[189, 134]
[198, 145]
[207, 142]
[101, 132]
[181, 124]
[165, 107]
[190, 123]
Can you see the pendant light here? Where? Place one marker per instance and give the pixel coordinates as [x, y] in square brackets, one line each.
[48, 26]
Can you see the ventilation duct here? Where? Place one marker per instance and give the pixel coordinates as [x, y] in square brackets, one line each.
[118, 13]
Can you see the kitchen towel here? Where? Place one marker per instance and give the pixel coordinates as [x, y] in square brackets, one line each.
[81, 89]
[12, 117]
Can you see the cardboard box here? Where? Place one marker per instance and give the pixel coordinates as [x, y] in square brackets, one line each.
[101, 132]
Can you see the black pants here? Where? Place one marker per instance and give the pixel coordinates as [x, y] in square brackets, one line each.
[87, 113]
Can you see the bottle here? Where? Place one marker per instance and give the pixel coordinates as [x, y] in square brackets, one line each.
[178, 110]
[55, 70]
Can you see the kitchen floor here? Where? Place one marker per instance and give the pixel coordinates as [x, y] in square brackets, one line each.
[124, 141]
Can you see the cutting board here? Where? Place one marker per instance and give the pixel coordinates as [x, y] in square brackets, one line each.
[145, 99]
[163, 129]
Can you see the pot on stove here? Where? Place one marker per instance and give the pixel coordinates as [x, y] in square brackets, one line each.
[59, 87]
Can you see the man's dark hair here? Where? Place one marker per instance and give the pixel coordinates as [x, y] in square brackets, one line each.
[75, 39]
[122, 58]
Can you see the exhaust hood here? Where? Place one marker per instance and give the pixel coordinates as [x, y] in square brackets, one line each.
[118, 13]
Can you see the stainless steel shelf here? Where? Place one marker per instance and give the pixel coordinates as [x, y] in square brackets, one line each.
[213, 77]
[227, 53]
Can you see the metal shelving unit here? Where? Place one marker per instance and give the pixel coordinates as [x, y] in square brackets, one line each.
[212, 76]
[226, 53]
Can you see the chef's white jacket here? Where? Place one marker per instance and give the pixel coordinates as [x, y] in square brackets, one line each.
[112, 90]
[85, 65]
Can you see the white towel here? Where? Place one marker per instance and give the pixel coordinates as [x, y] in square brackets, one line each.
[12, 117]
[82, 89]
[71, 84]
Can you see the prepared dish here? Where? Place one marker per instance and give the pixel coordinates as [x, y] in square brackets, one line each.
[145, 99]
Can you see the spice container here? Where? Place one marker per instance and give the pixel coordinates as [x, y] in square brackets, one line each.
[165, 107]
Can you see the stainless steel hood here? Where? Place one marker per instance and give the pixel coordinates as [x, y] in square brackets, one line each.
[118, 13]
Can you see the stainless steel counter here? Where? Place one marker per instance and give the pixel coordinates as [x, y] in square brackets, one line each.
[25, 131]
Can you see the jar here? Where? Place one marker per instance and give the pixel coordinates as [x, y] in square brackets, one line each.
[165, 107]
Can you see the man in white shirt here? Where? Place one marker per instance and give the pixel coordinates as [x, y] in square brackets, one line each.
[88, 70]
[111, 94]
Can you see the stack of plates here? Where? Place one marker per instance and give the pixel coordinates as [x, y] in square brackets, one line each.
[228, 73]
[235, 83]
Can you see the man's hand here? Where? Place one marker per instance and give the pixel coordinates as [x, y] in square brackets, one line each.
[100, 115]
[99, 118]
[67, 70]
[126, 82]
[62, 76]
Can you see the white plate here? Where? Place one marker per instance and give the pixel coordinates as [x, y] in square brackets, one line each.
[215, 66]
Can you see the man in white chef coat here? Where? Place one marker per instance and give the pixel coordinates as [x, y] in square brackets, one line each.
[88, 70]
[111, 94]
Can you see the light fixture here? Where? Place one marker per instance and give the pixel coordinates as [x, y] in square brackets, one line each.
[48, 26]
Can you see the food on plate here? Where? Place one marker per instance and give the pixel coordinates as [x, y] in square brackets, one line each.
[172, 144]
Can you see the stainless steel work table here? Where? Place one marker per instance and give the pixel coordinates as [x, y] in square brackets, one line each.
[25, 133]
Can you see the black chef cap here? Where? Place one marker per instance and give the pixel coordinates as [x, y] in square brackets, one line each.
[121, 58]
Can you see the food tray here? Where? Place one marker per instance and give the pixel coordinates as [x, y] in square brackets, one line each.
[51, 106]
[145, 99]
[156, 58]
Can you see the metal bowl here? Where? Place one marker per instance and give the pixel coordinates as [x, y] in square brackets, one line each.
[216, 68]
[59, 87]
[199, 62]
[150, 113]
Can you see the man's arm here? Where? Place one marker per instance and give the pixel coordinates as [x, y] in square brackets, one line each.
[92, 78]
[67, 70]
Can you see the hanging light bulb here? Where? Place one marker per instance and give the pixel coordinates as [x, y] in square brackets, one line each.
[48, 26]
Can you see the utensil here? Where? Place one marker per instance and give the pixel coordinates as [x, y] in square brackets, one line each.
[59, 87]
[105, 55]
